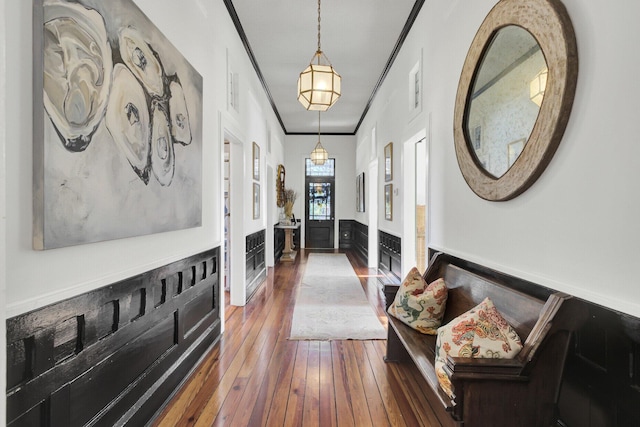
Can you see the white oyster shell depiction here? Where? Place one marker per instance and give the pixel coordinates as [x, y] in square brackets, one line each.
[77, 72]
[128, 120]
[180, 124]
[162, 153]
[141, 60]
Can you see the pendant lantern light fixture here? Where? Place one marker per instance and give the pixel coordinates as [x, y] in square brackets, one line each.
[319, 84]
[319, 155]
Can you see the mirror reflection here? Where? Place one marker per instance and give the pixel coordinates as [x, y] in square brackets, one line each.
[505, 99]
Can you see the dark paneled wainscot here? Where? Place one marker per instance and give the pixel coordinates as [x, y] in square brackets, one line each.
[601, 385]
[354, 235]
[390, 256]
[345, 226]
[278, 242]
[114, 355]
[256, 270]
[360, 234]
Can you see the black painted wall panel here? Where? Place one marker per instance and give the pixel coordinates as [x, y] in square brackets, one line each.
[118, 351]
[196, 309]
[255, 265]
[105, 381]
[361, 240]
[17, 359]
[600, 382]
[34, 417]
[390, 256]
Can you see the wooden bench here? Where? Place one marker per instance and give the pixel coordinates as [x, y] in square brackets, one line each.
[493, 392]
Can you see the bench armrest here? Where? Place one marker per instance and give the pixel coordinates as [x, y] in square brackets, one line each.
[488, 375]
[479, 368]
[390, 291]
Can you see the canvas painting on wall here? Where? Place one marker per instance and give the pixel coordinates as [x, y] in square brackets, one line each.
[117, 126]
[360, 193]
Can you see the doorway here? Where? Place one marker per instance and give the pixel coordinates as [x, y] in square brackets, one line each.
[415, 182]
[421, 204]
[227, 215]
[319, 191]
[236, 249]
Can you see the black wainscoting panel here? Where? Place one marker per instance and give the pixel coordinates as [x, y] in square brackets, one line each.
[115, 354]
[390, 256]
[102, 384]
[345, 228]
[278, 243]
[255, 264]
[361, 240]
[195, 311]
[601, 385]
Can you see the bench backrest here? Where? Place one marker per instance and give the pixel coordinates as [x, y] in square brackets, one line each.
[467, 289]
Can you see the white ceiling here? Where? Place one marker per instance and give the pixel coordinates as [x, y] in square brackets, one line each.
[360, 37]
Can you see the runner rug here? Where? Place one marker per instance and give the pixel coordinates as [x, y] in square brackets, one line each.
[331, 304]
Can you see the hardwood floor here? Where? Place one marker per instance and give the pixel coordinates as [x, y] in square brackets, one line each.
[255, 376]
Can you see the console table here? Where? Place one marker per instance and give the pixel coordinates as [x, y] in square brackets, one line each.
[288, 254]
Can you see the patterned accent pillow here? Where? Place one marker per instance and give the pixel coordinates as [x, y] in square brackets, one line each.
[481, 332]
[418, 305]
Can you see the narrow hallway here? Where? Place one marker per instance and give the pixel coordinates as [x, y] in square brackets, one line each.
[255, 376]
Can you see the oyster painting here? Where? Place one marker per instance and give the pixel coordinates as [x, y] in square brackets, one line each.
[117, 126]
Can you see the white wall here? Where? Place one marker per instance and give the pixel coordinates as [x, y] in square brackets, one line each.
[341, 148]
[576, 229]
[204, 33]
[3, 214]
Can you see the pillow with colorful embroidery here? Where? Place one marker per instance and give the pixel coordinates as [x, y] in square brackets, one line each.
[481, 332]
[419, 305]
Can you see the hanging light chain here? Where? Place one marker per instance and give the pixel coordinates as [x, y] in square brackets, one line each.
[319, 49]
[318, 126]
[319, 84]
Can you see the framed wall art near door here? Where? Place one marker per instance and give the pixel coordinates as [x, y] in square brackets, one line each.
[360, 193]
[117, 135]
[256, 162]
[388, 202]
[256, 201]
[388, 162]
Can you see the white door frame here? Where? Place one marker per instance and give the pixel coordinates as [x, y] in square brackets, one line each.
[271, 215]
[372, 201]
[237, 190]
[409, 201]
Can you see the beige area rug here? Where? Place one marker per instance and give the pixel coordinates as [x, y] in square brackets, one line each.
[331, 304]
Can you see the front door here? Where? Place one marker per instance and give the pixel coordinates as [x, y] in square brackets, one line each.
[319, 205]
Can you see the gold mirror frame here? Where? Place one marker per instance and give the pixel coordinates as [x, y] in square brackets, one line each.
[549, 23]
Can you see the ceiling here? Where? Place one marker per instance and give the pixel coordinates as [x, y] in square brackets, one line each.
[361, 38]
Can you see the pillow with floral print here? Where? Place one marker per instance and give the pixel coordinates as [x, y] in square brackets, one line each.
[481, 332]
[419, 305]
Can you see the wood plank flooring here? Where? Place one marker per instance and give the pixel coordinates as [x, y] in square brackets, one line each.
[255, 376]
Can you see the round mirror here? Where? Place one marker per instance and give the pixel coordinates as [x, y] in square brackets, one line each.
[507, 92]
[515, 96]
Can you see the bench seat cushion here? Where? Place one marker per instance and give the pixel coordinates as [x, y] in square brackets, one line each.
[481, 332]
[419, 305]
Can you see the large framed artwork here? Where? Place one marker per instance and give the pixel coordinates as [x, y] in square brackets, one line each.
[117, 126]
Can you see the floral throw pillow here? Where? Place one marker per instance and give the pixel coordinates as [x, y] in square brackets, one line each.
[481, 332]
[419, 305]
